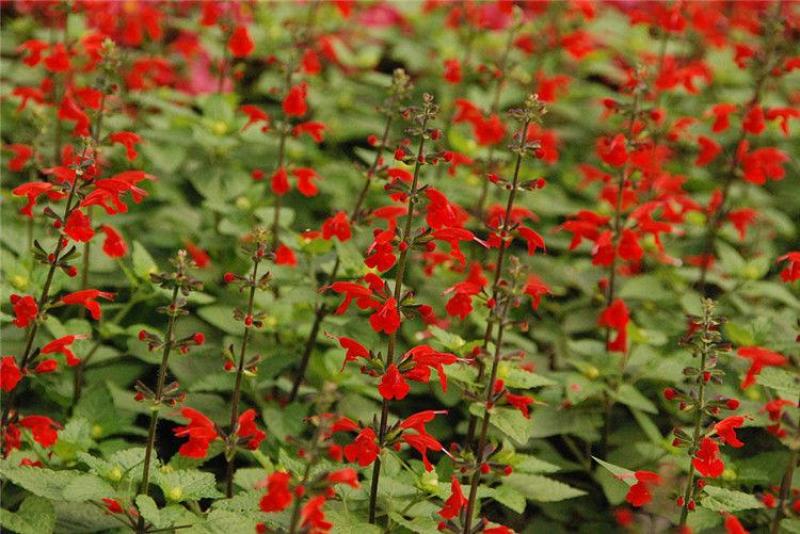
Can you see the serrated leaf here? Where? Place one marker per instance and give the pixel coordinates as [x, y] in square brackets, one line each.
[620, 473]
[143, 263]
[347, 523]
[533, 465]
[188, 485]
[509, 497]
[542, 489]
[509, 421]
[522, 379]
[448, 340]
[35, 516]
[42, 482]
[630, 396]
[419, 525]
[88, 488]
[725, 500]
[780, 380]
[148, 509]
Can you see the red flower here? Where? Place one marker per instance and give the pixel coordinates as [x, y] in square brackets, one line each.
[452, 70]
[305, 181]
[44, 429]
[792, 271]
[314, 129]
[741, 219]
[311, 63]
[33, 190]
[46, 366]
[34, 49]
[354, 350]
[489, 131]
[352, 291]
[453, 505]
[199, 256]
[613, 151]
[128, 140]
[294, 105]
[721, 112]
[280, 182]
[639, 494]
[393, 385]
[25, 310]
[254, 115]
[22, 153]
[347, 476]
[726, 430]
[112, 189]
[422, 443]
[760, 358]
[312, 517]
[10, 374]
[114, 245]
[707, 460]
[709, 150]
[58, 59]
[536, 289]
[86, 298]
[521, 403]
[753, 121]
[285, 256]
[364, 449]
[762, 163]
[113, 506]
[629, 248]
[616, 317]
[248, 430]
[62, 346]
[533, 239]
[79, 226]
[733, 526]
[278, 496]
[386, 318]
[240, 44]
[338, 226]
[201, 431]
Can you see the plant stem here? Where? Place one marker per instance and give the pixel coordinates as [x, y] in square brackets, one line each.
[398, 289]
[169, 341]
[237, 389]
[322, 311]
[498, 272]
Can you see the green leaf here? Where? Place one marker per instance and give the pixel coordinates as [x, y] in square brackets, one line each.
[509, 497]
[347, 523]
[448, 340]
[515, 377]
[188, 485]
[35, 516]
[630, 396]
[531, 464]
[509, 421]
[792, 526]
[143, 263]
[781, 380]
[419, 525]
[222, 318]
[542, 489]
[725, 500]
[88, 488]
[620, 473]
[42, 482]
[148, 509]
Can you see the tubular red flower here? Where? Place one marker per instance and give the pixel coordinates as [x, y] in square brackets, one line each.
[10, 375]
[201, 431]
[87, 299]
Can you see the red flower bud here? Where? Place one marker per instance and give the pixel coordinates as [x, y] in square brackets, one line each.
[142, 335]
[199, 338]
[733, 404]
[485, 469]
[229, 277]
[670, 393]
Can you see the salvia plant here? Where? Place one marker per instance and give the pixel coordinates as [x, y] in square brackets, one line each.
[475, 267]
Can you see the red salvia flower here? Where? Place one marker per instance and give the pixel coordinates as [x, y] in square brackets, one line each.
[721, 113]
[762, 163]
[44, 429]
[46, 366]
[294, 105]
[311, 63]
[393, 385]
[536, 289]
[87, 299]
[114, 246]
[613, 151]
[58, 59]
[312, 517]
[753, 121]
[33, 49]
[639, 494]
[422, 443]
[314, 129]
[741, 219]
[792, 271]
[248, 430]
[200, 431]
[386, 318]
[726, 430]
[759, 358]
[62, 346]
[33, 190]
[199, 256]
[240, 44]
[78, 226]
[254, 115]
[354, 350]
[112, 189]
[337, 226]
[452, 71]
[709, 150]
[733, 526]
[128, 140]
[347, 476]
[10, 375]
[280, 182]
[22, 153]
[305, 181]
[616, 318]
[364, 449]
[453, 505]
[113, 506]
[285, 256]
[707, 460]
[533, 240]
[278, 496]
[25, 310]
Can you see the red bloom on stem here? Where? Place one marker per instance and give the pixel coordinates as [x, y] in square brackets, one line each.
[452, 71]
[337, 226]
[112, 505]
[114, 245]
[707, 460]
[305, 181]
[240, 44]
[613, 151]
[199, 256]
[87, 299]
[393, 385]
[489, 131]
[33, 190]
[386, 318]
[10, 375]
[201, 431]
[709, 150]
[741, 219]
[364, 449]
[453, 505]
[753, 121]
[762, 163]
[354, 350]
[254, 115]
[532, 239]
[616, 318]
[422, 443]
[78, 226]
[294, 105]
[285, 256]
[536, 289]
[759, 358]
[280, 182]
[25, 310]
[639, 494]
[792, 271]
[62, 346]
[22, 153]
[248, 430]
[721, 113]
[312, 517]
[726, 430]
[733, 526]
[314, 129]
[347, 476]
[58, 59]
[278, 496]
[128, 140]
[44, 429]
